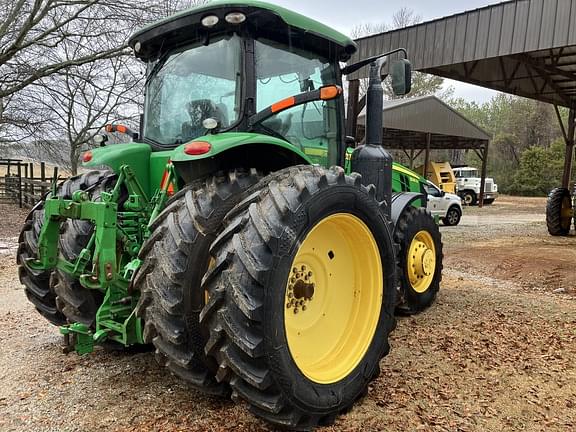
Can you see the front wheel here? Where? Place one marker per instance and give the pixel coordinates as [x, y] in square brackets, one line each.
[452, 217]
[420, 259]
[469, 198]
[301, 296]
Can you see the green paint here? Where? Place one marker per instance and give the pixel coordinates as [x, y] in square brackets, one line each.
[114, 156]
[229, 140]
[291, 18]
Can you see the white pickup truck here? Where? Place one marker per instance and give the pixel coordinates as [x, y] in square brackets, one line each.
[468, 184]
[447, 206]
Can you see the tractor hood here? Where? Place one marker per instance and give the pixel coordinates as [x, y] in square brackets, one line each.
[261, 20]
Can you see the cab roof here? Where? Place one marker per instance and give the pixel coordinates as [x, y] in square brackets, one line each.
[262, 20]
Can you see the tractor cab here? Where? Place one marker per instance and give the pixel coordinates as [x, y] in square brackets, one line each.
[244, 67]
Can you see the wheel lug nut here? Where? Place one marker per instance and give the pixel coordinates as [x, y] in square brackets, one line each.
[295, 310]
[303, 308]
[290, 295]
[288, 305]
[294, 270]
[303, 268]
[309, 274]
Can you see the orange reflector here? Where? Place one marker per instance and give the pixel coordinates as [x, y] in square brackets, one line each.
[283, 104]
[197, 148]
[170, 190]
[87, 157]
[330, 92]
[109, 128]
[121, 129]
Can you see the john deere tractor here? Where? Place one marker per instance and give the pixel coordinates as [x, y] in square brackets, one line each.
[241, 233]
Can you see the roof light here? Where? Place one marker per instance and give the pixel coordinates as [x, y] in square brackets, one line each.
[137, 46]
[87, 157]
[210, 21]
[235, 18]
[196, 148]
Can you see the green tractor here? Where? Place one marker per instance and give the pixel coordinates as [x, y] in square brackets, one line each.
[258, 249]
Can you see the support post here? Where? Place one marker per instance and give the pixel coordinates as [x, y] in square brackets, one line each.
[483, 175]
[569, 156]
[427, 155]
[352, 111]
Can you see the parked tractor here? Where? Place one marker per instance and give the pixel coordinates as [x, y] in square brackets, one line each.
[233, 234]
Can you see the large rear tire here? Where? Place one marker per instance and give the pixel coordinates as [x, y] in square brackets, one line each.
[39, 285]
[559, 212]
[301, 296]
[175, 258]
[420, 259]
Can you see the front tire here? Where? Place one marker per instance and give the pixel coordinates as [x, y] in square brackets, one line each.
[559, 212]
[420, 259]
[175, 258]
[452, 217]
[469, 198]
[302, 295]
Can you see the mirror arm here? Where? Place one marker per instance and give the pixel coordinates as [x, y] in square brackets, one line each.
[355, 66]
[323, 93]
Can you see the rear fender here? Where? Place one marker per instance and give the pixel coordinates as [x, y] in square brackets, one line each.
[402, 200]
[136, 155]
[231, 150]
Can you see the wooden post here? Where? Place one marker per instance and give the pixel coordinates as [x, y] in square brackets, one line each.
[43, 177]
[427, 155]
[19, 184]
[352, 110]
[569, 155]
[31, 184]
[483, 175]
[25, 183]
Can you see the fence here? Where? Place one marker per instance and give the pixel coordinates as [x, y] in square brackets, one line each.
[20, 185]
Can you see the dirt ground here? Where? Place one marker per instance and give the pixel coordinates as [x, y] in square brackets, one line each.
[495, 353]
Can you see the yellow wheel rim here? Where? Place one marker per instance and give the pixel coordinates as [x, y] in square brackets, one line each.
[333, 298]
[421, 261]
[566, 213]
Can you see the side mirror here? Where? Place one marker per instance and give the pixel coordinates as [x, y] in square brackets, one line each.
[350, 141]
[401, 72]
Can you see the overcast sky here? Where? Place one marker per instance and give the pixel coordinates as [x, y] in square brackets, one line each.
[344, 16]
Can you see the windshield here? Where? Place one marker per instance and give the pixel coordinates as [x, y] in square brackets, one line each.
[192, 84]
[283, 71]
[466, 173]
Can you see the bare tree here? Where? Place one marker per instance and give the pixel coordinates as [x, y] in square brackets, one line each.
[79, 74]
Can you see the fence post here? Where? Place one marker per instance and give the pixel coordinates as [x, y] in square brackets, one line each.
[25, 184]
[20, 184]
[31, 184]
[43, 177]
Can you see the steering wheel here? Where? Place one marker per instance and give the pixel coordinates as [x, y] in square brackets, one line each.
[199, 110]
